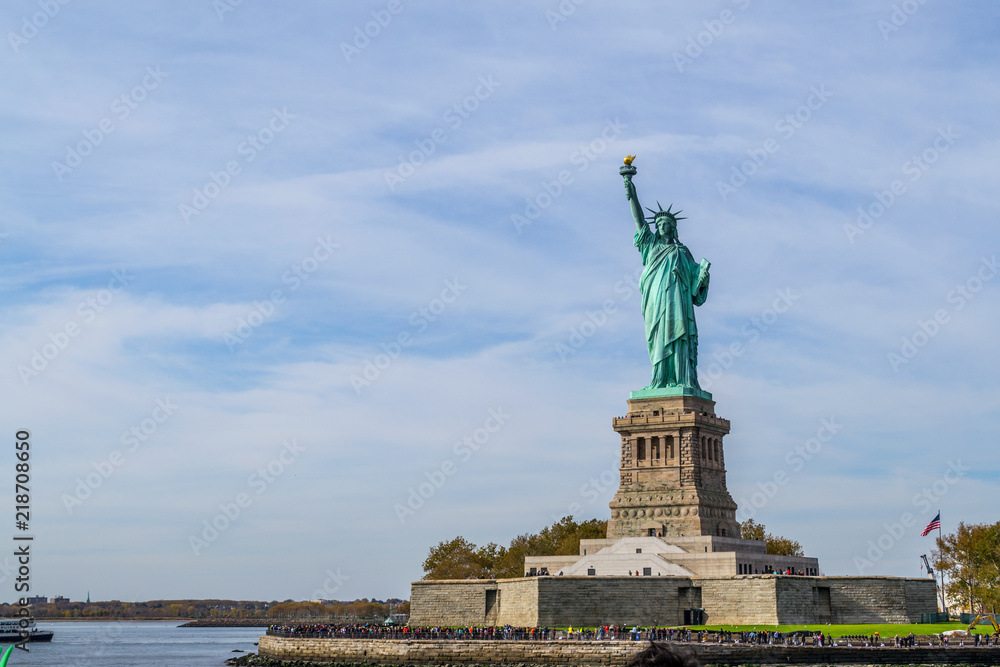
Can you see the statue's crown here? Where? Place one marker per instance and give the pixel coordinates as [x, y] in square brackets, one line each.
[664, 214]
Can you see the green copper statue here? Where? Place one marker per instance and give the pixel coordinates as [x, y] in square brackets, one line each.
[672, 285]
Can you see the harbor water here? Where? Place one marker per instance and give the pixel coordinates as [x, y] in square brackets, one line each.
[135, 644]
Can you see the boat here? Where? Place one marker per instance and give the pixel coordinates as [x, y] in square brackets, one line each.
[10, 632]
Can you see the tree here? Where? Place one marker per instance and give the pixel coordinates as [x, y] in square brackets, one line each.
[782, 546]
[460, 559]
[562, 538]
[776, 545]
[751, 530]
[989, 561]
[298, 610]
[970, 560]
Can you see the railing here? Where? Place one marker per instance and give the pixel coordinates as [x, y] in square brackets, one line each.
[481, 634]
[629, 420]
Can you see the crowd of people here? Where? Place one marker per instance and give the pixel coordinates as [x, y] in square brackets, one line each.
[986, 640]
[774, 638]
[380, 631]
[789, 571]
[974, 640]
[507, 632]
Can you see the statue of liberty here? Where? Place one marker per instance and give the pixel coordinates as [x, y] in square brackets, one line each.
[672, 285]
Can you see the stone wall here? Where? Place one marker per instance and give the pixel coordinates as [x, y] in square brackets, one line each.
[738, 600]
[400, 652]
[611, 653]
[449, 602]
[921, 597]
[782, 600]
[566, 601]
[519, 602]
[747, 599]
[475, 602]
[880, 599]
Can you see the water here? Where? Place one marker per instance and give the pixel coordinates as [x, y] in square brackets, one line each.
[131, 644]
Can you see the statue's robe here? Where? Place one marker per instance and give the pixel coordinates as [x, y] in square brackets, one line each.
[672, 285]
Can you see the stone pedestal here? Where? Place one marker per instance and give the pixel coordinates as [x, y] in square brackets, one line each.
[673, 475]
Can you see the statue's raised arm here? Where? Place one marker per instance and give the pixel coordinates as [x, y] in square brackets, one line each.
[627, 172]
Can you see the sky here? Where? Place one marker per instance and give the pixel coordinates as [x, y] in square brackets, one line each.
[292, 292]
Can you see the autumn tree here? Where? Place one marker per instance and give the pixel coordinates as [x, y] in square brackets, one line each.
[460, 559]
[363, 609]
[776, 545]
[562, 538]
[298, 610]
[970, 561]
[751, 530]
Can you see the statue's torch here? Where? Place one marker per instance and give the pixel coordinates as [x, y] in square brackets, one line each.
[628, 171]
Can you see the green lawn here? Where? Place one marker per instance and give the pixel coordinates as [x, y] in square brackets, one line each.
[885, 630]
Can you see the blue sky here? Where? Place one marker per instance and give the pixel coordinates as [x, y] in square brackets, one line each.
[265, 271]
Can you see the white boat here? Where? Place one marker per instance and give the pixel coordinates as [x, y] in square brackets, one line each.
[10, 632]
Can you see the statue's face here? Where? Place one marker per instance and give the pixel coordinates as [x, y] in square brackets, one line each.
[666, 227]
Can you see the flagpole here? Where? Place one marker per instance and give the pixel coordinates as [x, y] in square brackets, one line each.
[944, 600]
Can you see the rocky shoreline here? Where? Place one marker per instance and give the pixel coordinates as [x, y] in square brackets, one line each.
[254, 660]
[562, 653]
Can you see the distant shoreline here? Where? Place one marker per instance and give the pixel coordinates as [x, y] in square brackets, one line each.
[229, 623]
[107, 619]
[182, 622]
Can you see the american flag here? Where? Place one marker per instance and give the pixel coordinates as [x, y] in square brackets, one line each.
[933, 525]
